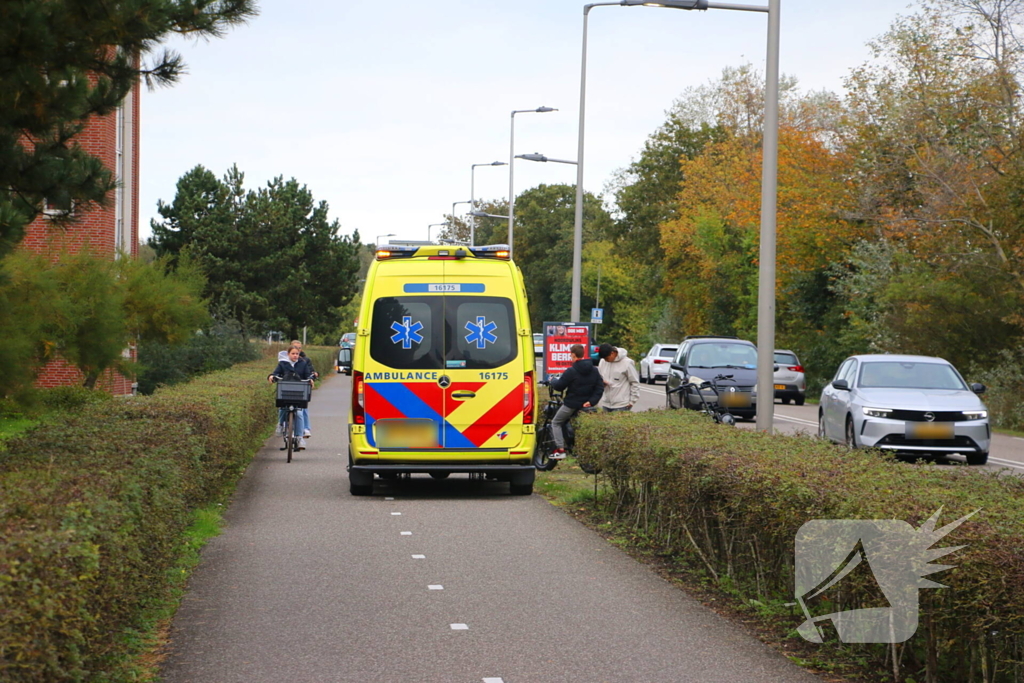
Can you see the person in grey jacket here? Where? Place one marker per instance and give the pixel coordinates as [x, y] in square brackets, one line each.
[583, 388]
[621, 381]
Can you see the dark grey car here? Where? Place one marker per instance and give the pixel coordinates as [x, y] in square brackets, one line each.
[702, 359]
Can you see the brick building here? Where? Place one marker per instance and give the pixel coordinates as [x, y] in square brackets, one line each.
[110, 231]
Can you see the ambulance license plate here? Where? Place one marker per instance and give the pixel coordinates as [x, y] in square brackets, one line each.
[929, 430]
[406, 434]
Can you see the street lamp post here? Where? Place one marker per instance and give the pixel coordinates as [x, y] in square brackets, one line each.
[454, 204]
[433, 225]
[769, 183]
[472, 197]
[511, 168]
[390, 234]
[484, 214]
[543, 159]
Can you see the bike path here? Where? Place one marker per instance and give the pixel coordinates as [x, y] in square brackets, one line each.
[312, 585]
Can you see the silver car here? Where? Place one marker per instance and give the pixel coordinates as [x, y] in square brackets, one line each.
[790, 384]
[914, 405]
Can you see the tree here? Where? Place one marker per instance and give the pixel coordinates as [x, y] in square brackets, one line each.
[88, 310]
[545, 217]
[713, 245]
[935, 128]
[62, 61]
[272, 259]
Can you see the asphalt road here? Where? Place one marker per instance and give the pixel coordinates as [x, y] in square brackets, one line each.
[1005, 451]
[445, 581]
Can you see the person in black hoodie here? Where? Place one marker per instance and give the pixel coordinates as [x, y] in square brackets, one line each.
[583, 388]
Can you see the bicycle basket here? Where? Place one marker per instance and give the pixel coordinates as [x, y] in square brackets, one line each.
[293, 394]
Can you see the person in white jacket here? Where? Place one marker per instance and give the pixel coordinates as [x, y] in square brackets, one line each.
[621, 381]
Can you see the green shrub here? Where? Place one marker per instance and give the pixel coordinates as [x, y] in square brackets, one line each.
[1004, 389]
[71, 398]
[92, 509]
[217, 348]
[729, 502]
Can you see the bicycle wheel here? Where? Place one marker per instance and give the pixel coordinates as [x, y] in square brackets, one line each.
[289, 434]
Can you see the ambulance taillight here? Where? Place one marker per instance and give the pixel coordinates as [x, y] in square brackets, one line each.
[528, 398]
[358, 398]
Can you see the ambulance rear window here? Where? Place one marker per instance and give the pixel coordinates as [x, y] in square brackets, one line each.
[403, 333]
[484, 331]
[478, 332]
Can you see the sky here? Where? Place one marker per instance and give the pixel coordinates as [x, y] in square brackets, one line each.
[382, 108]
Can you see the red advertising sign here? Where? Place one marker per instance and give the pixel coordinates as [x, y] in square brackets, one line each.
[558, 339]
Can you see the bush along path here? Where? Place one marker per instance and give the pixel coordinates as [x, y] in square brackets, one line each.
[721, 508]
[95, 511]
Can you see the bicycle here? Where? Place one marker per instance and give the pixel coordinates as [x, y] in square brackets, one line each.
[542, 459]
[293, 396]
[715, 410]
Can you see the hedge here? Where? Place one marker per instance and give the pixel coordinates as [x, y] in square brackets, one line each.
[729, 503]
[92, 511]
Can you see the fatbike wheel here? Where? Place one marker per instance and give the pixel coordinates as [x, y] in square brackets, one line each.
[545, 446]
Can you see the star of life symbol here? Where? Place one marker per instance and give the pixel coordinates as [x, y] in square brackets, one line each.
[482, 332]
[889, 552]
[407, 332]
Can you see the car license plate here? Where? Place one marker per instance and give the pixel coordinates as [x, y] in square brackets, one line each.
[734, 399]
[780, 387]
[406, 434]
[929, 430]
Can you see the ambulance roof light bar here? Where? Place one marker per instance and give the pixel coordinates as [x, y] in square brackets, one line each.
[391, 251]
[499, 251]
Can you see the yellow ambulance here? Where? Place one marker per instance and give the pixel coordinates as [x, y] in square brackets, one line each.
[443, 368]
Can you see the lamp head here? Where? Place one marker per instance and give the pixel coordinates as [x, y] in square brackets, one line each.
[542, 110]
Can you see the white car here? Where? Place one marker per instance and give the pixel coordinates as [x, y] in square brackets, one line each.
[790, 384]
[654, 365]
[912, 405]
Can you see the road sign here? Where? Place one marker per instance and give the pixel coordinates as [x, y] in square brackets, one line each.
[596, 316]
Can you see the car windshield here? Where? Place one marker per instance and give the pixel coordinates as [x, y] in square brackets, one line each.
[667, 351]
[909, 375]
[723, 356]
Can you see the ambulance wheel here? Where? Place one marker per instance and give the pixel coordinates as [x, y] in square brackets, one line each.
[440, 475]
[360, 483]
[521, 483]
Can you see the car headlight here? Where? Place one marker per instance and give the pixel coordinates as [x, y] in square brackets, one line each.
[975, 414]
[876, 412]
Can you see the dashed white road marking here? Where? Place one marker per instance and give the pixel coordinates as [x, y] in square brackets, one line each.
[419, 557]
[396, 513]
[435, 587]
[407, 533]
[459, 627]
[493, 680]
[389, 499]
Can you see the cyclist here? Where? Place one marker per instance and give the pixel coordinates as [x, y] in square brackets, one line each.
[294, 368]
[583, 388]
[283, 356]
